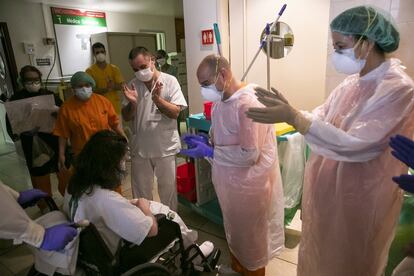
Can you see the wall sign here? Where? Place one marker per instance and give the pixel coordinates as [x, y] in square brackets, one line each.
[43, 62]
[207, 37]
[73, 29]
[77, 17]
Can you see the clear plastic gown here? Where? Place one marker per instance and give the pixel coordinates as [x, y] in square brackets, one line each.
[247, 180]
[350, 204]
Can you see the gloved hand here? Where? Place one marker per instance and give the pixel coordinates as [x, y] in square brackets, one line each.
[58, 236]
[200, 150]
[403, 149]
[262, 94]
[405, 181]
[279, 112]
[190, 138]
[30, 197]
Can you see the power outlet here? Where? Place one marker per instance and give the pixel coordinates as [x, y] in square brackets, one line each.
[29, 48]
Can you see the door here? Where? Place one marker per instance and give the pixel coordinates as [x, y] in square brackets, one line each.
[119, 47]
[148, 41]
[8, 70]
[121, 44]
[8, 82]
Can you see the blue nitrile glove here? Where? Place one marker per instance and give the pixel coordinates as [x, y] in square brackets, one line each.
[403, 149]
[30, 197]
[58, 236]
[200, 150]
[406, 182]
[190, 138]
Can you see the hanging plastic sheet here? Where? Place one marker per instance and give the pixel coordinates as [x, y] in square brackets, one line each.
[292, 155]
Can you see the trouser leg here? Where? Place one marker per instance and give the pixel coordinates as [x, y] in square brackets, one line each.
[165, 171]
[142, 177]
[42, 183]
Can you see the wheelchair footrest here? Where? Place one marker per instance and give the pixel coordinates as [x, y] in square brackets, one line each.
[201, 262]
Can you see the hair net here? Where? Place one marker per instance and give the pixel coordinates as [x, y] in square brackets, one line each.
[81, 76]
[370, 22]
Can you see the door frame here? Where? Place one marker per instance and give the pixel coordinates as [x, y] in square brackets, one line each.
[9, 55]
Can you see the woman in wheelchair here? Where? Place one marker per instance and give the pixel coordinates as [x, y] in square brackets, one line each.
[99, 169]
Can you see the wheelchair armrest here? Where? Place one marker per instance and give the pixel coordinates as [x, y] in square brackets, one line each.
[51, 204]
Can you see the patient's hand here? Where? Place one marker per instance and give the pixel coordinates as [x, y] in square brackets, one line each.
[144, 205]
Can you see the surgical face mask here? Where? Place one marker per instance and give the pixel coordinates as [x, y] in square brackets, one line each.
[100, 57]
[83, 93]
[161, 61]
[346, 62]
[211, 94]
[33, 87]
[144, 75]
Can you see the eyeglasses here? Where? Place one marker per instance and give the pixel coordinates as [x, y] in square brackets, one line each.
[32, 82]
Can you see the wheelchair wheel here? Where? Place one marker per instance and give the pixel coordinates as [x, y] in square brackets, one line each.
[148, 269]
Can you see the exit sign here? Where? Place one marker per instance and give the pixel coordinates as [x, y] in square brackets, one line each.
[207, 37]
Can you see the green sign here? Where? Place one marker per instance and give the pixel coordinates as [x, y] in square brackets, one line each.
[77, 17]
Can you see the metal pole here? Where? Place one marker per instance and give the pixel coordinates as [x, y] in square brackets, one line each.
[266, 41]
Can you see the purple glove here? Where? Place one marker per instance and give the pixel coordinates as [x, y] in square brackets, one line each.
[190, 138]
[58, 236]
[30, 197]
[199, 151]
[406, 182]
[403, 149]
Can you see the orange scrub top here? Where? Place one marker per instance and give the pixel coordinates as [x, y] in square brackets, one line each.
[102, 76]
[79, 120]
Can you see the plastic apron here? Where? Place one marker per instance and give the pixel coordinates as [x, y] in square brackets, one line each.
[246, 177]
[350, 204]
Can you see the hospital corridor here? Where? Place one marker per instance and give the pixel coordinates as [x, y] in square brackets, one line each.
[207, 137]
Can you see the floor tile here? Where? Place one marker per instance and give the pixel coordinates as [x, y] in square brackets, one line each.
[214, 229]
[289, 255]
[277, 267]
[4, 271]
[191, 218]
[5, 246]
[18, 259]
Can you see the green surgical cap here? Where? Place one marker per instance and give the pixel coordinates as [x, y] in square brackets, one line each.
[370, 22]
[80, 77]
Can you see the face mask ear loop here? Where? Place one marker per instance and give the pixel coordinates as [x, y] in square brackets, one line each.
[370, 22]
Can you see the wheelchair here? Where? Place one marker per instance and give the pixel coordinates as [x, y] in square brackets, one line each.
[160, 255]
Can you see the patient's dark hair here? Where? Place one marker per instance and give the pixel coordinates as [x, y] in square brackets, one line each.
[99, 163]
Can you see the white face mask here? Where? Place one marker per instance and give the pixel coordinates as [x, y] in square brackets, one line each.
[101, 57]
[144, 75]
[33, 88]
[161, 61]
[83, 93]
[211, 94]
[346, 62]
